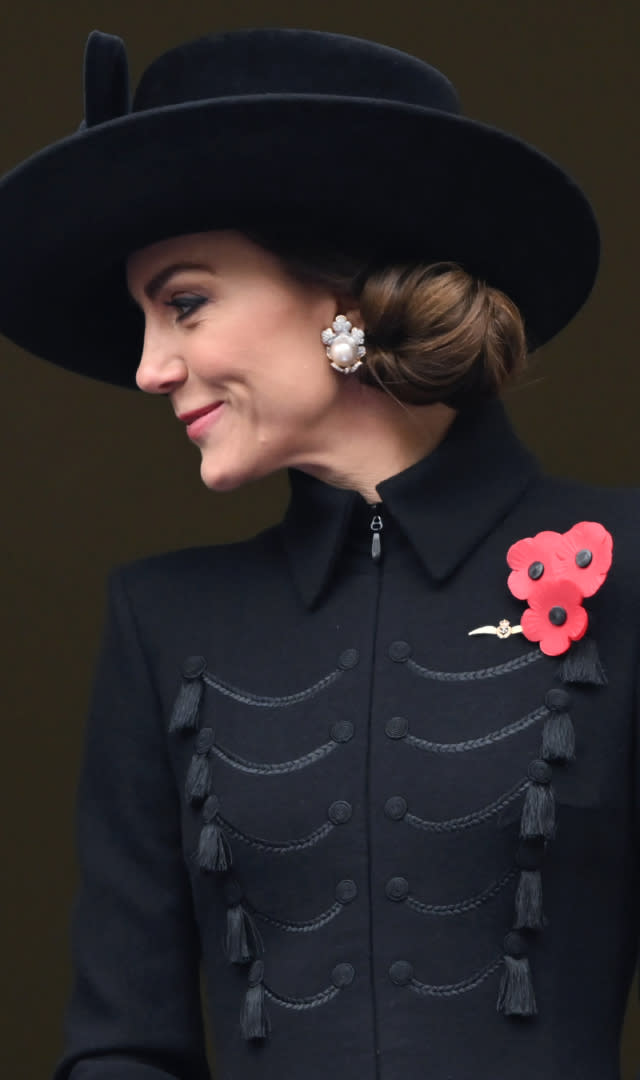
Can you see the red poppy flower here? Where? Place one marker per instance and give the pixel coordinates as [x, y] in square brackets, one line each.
[584, 556]
[555, 616]
[532, 562]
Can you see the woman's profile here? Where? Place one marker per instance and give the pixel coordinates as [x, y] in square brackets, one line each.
[372, 771]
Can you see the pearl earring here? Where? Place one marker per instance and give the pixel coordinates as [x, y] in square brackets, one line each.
[345, 347]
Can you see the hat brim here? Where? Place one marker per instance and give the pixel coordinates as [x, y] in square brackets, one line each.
[407, 181]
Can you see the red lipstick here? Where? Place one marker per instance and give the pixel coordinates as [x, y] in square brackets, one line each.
[187, 417]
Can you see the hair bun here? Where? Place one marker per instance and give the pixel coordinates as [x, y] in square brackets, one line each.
[434, 334]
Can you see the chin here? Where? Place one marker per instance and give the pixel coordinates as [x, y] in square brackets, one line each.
[217, 478]
[221, 481]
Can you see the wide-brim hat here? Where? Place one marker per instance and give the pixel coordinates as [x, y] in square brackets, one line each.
[295, 129]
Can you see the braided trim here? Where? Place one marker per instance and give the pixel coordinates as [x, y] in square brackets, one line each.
[469, 820]
[462, 987]
[481, 673]
[265, 702]
[302, 927]
[463, 906]
[276, 767]
[483, 740]
[320, 998]
[278, 848]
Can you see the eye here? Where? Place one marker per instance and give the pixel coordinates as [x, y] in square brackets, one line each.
[185, 304]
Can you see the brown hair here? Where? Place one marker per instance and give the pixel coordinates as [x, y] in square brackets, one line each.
[433, 331]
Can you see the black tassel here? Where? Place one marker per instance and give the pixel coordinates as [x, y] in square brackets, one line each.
[254, 1021]
[582, 664]
[198, 782]
[529, 901]
[242, 941]
[558, 738]
[185, 710]
[538, 813]
[214, 852]
[539, 810]
[516, 996]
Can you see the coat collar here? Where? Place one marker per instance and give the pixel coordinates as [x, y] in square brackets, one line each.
[444, 504]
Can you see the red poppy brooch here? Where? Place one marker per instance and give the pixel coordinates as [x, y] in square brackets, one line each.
[554, 572]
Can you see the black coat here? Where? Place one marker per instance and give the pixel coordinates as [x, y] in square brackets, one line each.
[339, 844]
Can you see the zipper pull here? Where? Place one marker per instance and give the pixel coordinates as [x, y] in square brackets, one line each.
[376, 543]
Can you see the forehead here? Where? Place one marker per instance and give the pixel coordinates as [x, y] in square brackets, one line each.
[210, 250]
[191, 246]
[225, 252]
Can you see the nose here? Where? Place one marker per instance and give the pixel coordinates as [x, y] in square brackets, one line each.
[160, 369]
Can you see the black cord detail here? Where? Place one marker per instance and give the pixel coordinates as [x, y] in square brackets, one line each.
[483, 740]
[462, 906]
[311, 1002]
[481, 673]
[452, 989]
[277, 848]
[276, 767]
[265, 702]
[469, 820]
[301, 927]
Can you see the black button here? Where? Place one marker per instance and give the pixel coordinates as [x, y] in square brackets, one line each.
[401, 972]
[557, 699]
[539, 771]
[399, 651]
[342, 975]
[515, 944]
[340, 811]
[584, 558]
[396, 727]
[348, 659]
[204, 740]
[530, 856]
[395, 807]
[342, 731]
[256, 973]
[210, 808]
[558, 616]
[193, 666]
[346, 891]
[536, 570]
[397, 888]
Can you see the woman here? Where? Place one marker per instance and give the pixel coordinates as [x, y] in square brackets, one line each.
[374, 768]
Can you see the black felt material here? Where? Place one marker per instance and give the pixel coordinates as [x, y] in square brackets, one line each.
[244, 129]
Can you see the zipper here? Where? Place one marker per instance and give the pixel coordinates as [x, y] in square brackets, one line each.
[376, 527]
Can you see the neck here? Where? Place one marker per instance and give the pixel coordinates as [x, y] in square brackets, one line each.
[371, 437]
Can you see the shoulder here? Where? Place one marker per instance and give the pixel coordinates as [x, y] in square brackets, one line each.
[557, 503]
[192, 574]
[620, 504]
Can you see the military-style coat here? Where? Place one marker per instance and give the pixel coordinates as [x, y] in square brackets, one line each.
[397, 851]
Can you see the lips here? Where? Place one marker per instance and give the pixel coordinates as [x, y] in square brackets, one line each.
[188, 417]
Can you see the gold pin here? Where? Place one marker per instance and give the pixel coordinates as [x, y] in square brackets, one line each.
[503, 630]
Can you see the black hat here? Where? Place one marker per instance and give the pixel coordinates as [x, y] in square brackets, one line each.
[287, 128]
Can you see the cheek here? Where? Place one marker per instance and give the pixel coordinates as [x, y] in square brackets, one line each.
[299, 382]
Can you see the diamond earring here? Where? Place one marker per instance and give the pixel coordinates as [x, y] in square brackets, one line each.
[345, 347]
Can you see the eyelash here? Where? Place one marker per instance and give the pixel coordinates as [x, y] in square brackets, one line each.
[191, 303]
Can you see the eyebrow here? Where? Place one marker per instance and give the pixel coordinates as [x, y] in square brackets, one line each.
[152, 288]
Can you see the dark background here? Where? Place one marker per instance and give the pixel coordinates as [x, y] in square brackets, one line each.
[96, 475]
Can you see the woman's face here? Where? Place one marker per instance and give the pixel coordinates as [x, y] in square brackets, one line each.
[236, 329]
